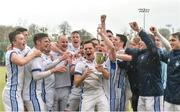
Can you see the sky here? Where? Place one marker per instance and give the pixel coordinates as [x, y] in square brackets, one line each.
[86, 13]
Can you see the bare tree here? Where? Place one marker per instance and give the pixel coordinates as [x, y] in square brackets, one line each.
[85, 35]
[33, 29]
[65, 28]
[4, 32]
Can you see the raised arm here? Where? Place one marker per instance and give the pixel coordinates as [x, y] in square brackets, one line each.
[112, 51]
[164, 41]
[144, 37]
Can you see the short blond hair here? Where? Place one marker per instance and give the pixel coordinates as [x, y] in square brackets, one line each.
[136, 39]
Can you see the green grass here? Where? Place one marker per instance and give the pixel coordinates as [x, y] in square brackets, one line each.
[2, 83]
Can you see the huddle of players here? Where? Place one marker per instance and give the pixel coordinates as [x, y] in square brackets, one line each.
[62, 76]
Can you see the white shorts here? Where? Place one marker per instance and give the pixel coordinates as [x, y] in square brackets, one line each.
[128, 94]
[61, 98]
[74, 99]
[35, 104]
[49, 99]
[12, 100]
[151, 103]
[100, 102]
[171, 107]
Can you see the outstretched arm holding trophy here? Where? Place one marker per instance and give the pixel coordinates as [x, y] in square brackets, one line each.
[102, 32]
[103, 24]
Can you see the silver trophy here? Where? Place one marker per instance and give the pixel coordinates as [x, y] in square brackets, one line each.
[100, 58]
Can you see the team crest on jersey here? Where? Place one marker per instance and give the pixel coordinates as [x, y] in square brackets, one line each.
[177, 63]
[142, 57]
[168, 61]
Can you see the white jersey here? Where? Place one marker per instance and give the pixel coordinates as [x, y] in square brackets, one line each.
[26, 50]
[106, 83]
[92, 85]
[93, 96]
[32, 90]
[62, 79]
[48, 85]
[32, 87]
[50, 80]
[12, 98]
[71, 48]
[15, 73]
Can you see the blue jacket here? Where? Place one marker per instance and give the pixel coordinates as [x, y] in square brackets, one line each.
[131, 69]
[149, 68]
[172, 91]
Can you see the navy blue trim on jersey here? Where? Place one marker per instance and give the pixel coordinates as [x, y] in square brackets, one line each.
[157, 104]
[14, 83]
[81, 98]
[35, 70]
[121, 85]
[72, 65]
[113, 65]
[112, 88]
[43, 91]
[77, 73]
[33, 96]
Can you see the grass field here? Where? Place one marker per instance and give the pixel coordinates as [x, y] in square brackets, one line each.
[2, 83]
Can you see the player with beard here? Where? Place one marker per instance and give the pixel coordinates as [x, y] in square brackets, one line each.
[35, 71]
[48, 88]
[62, 78]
